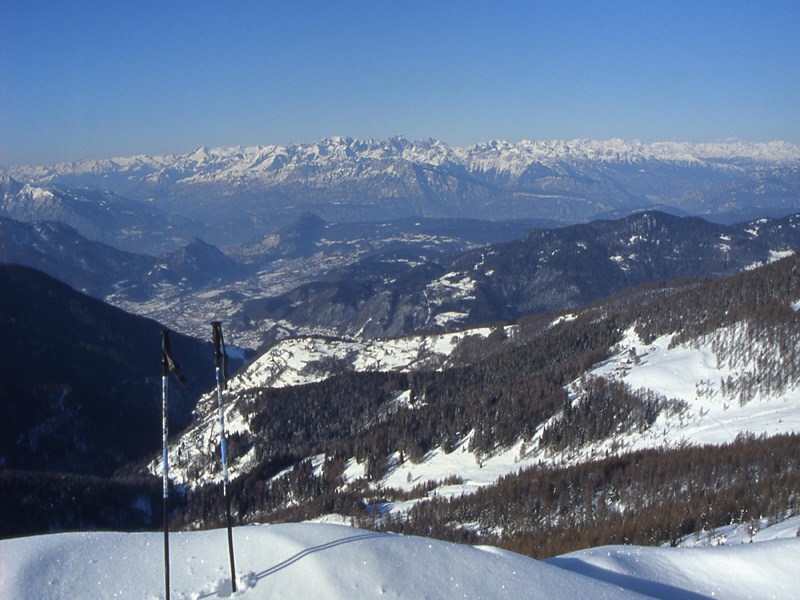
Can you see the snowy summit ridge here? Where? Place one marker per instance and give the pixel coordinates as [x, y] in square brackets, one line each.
[259, 189]
[498, 155]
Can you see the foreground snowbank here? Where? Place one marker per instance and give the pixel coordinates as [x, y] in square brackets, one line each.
[739, 572]
[307, 561]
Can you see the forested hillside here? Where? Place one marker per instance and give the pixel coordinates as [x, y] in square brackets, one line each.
[79, 379]
[541, 393]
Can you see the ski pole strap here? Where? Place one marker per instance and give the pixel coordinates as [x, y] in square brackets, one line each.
[216, 329]
[168, 361]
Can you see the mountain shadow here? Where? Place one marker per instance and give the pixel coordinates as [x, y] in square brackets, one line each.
[79, 379]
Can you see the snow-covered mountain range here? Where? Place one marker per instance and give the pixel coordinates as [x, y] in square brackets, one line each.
[99, 214]
[345, 155]
[546, 270]
[240, 192]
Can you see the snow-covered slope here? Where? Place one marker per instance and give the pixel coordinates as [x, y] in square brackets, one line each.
[761, 570]
[706, 409]
[706, 389]
[98, 214]
[310, 561]
[296, 361]
[721, 396]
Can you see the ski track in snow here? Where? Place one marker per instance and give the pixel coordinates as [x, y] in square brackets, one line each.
[310, 561]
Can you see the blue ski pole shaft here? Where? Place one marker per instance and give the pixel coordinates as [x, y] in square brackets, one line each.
[165, 460]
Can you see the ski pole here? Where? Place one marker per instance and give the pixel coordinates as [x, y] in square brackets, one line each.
[167, 364]
[222, 384]
[164, 461]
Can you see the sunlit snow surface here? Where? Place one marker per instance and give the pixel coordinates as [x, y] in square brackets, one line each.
[289, 361]
[309, 561]
[753, 571]
[693, 374]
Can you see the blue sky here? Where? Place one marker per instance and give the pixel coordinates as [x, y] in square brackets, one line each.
[94, 79]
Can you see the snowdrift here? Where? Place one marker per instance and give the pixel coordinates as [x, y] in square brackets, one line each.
[306, 561]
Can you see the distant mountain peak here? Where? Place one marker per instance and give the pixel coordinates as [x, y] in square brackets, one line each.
[612, 149]
[304, 221]
[250, 191]
[8, 185]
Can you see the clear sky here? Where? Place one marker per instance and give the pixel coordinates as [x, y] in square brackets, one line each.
[95, 79]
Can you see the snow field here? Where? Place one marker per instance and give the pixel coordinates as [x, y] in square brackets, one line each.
[309, 561]
[731, 572]
[692, 373]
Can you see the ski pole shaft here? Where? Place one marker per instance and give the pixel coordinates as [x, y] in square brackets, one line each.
[166, 547]
[230, 539]
[164, 456]
[168, 365]
[219, 342]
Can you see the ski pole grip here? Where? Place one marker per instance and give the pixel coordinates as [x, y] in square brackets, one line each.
[216, 330]
[164, 350]
[219, 351]
[167, 362]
